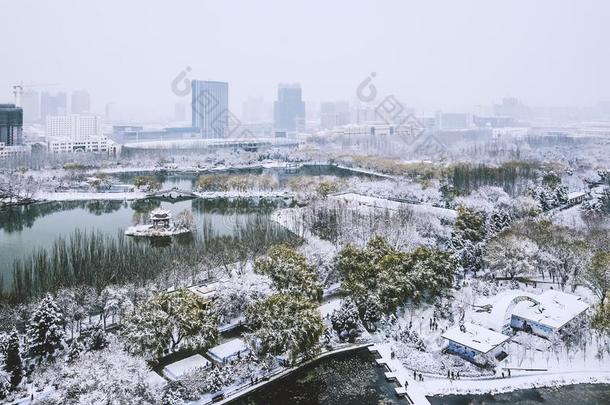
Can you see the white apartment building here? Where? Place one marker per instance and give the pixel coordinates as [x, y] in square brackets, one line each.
[370, 129]
[75, 127]
[14, 151]
[95, 145]
[77, 133]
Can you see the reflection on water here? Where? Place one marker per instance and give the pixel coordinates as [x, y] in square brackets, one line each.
[186, 181]
[25, 229]
[346, 378]
[581, 394]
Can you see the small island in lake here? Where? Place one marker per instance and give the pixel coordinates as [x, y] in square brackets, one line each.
[161, 224]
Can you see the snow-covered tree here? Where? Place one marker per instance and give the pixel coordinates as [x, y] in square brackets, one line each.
[5, 383]
[185, 219]
[45, 328]
[12, 358]
[346, 317]
[392, 276]
[74, 351]
[510, 256]
[237, 293]
[597, 276]
[284, 323]
[499, 220]
[289, 272]
[171, 396]
[95, 338]
[169, 320]
[470, 224]
[109, 376]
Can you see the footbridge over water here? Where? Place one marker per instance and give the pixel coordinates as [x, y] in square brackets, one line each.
[173, 194]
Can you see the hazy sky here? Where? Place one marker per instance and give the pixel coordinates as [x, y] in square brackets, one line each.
[431, 54]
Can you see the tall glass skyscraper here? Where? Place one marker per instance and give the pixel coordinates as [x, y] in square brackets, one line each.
[289, 109]
[210, 108]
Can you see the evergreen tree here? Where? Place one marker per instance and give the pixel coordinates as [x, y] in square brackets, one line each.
[96, 339]
[346, 317]
[12, 359]
[5, 384]
[44, 331]
[470, 224]
[499, 219]
[74, 351]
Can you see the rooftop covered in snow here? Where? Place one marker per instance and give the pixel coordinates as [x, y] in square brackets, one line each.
[476, 337]
[228, 350]
[176, 370]
[555, 308]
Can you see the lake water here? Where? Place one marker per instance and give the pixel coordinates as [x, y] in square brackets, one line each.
[355, 378]
[27, 228]
[24, 229]
[351, 378]
[581, 394]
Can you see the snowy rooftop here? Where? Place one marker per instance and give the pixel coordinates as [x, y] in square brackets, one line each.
[207, 291]
[184, 366]
[475, 337]
[556, 308]
[576, 194]
[160, 213]
[228, 349]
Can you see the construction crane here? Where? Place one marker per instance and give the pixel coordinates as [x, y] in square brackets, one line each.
[18, 90]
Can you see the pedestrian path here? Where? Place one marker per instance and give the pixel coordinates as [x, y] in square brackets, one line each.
[409, 388]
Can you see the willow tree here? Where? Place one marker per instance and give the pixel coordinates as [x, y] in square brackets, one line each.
[169, 321]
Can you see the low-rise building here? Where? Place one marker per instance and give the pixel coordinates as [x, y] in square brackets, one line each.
[576, 197]
[94, 145]
[7, 151]
[552, 311]
[475, 343]
[231, 350]
[179, 368]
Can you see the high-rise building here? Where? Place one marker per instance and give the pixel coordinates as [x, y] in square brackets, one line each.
[512, 107]
[334, 114]
[289, 109]
[11, 125]
[179, 112]
[255, 110]
[75, 127]
[210, 108]
[52, 104]
[111, 112]
[30, 102]
[81, 102]
[452, 121]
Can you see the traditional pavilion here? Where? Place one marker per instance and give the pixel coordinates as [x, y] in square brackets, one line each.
[160, 218]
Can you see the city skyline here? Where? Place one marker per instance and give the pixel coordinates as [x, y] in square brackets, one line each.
[528, 54]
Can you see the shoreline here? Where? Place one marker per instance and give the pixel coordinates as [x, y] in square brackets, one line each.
[438, 387]
[285, 373]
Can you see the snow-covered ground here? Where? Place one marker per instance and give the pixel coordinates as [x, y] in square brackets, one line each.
[384, 203]
[150, 231]
[81, 196]
[517, 381]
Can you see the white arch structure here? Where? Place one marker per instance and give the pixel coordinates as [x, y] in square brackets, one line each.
[502, 310]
